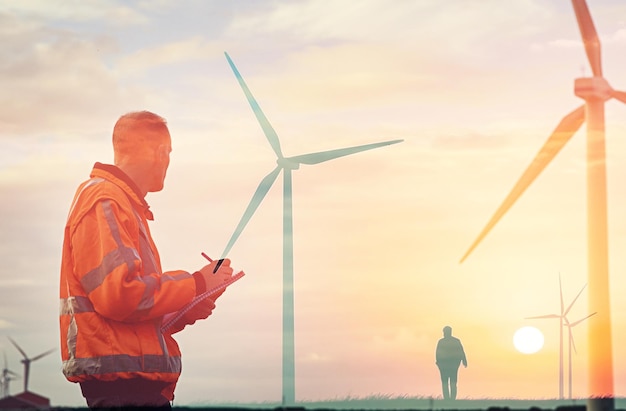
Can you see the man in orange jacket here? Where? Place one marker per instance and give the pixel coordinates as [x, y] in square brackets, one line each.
[114, 294]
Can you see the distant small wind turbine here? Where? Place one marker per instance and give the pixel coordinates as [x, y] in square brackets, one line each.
[563, 321]
[6, 377]
[286, 165]
[572, 346]
[595, 91]
[26, 361]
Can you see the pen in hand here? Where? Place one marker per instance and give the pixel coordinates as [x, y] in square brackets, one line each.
[219, 262]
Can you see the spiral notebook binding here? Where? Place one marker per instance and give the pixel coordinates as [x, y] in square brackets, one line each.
[172, 318]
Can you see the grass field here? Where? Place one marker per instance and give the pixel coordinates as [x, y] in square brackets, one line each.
[383, 402]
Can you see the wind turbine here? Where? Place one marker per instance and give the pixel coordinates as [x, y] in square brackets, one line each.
[26, 361]
[595, 91]
[6, 377]
[563, 321]
[572, 346]
[286, 165]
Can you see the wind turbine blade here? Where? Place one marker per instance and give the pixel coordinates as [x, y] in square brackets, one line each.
[581, 320]
[589, 35]
[571, 339]
[574, 300]
[42, 355]
[619, 95]
[543, 316]
[18, 347]
[259, 194]
[557, 140]
[270, 134]
[316, 158]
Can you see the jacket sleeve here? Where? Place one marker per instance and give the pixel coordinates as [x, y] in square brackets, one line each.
[119, 284]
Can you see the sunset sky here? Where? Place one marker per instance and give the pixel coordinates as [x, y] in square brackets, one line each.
[474, 87]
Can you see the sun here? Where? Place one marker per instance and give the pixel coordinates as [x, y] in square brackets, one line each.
[528, 340]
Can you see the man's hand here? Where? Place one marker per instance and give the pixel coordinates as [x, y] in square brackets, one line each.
[223, 273]
[199, 311]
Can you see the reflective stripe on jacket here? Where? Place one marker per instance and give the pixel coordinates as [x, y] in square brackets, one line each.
[113, 292]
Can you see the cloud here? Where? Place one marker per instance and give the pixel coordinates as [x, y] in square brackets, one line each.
[177, 52]
[430, 23]
[618, 37]
[462, 144]
[606, 18]
[556, 44]
[4, 324]
[358, 75]
[315, 20]
[314, 357]
[55, 80]
[76, 10]
[370, 54]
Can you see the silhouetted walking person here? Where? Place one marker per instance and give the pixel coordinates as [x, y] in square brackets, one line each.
[449, 356]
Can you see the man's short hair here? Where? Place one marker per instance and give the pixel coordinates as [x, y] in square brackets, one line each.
[138, 133]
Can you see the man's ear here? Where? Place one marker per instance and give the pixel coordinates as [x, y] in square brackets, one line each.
[162, 152]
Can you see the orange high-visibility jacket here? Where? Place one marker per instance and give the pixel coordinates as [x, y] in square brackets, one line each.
[113, 292]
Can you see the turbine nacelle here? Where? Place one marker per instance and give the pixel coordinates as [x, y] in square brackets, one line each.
[593, 88]
[287, 164]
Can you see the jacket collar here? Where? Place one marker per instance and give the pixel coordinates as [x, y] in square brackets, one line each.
[121, 179]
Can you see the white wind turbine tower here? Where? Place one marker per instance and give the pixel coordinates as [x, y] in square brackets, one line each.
[563, 321]
[286, 165]
[6, 377]
[26, 361]
[595, 91]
